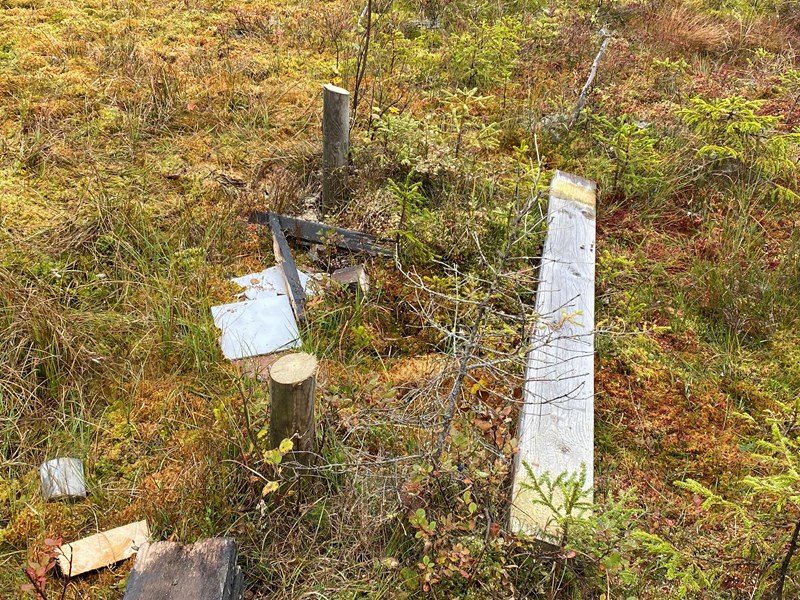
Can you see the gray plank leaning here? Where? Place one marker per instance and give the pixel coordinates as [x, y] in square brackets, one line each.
[283, 253]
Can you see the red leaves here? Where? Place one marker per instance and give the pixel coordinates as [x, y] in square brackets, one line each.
[37, 572]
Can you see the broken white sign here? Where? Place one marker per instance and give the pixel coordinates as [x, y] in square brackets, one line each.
[268, 283]
[254, 327]
[263, 323]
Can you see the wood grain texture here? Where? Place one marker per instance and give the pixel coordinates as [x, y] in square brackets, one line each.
[312, 232]
[335, 143]
[205, 570]
[102, 549]
[283, 253]
[292, 388]
[556, 427]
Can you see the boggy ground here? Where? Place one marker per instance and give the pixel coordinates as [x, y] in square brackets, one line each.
[135, 137]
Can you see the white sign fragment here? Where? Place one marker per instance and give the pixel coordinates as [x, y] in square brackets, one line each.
[254, 327]
[268, 283]
[62, 478]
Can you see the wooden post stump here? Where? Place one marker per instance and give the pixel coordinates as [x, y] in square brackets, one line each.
[335, 143]
[292, 383]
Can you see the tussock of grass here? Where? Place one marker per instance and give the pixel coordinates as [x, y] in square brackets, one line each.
[683, 28]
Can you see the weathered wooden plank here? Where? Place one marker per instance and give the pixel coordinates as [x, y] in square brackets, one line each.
[319, 233]
[102, 549]
[556, 427]
[284, 255]
[205, 570]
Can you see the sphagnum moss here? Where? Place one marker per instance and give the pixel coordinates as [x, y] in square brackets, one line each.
[117, 121]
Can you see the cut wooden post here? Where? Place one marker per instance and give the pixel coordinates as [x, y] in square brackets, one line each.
[335, 144]
[292, 384]
[62, 478]
[102, 549]
[556, 427]
[283, 253]
[205, 570]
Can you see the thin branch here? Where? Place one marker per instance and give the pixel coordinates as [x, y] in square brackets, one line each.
[777, 591]
[467, 353]
[592, 74]
[361, 64]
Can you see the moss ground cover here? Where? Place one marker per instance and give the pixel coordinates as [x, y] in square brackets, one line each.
[135, 137]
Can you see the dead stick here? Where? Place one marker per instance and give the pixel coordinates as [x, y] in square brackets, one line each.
[777, 591]
[590, 80]
[791, 110]
[361, 64]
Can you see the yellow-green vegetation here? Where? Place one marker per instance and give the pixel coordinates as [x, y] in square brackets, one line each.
[135, 138]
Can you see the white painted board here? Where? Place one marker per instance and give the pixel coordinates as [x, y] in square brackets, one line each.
[268, 283]
[556, 427]
[255, 327]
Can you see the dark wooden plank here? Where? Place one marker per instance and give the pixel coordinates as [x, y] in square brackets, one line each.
[205, 570]
[319, 233]
[283, 253]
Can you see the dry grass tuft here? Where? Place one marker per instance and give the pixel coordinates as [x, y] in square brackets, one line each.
[682, 29]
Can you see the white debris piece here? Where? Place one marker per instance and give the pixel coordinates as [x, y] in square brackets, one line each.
[254, 327]
[268, 283]
[62, 478]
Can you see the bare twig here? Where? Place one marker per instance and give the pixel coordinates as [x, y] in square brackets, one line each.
[592, 74]
[790, 112]
[777, 591]
[361, 63]
[472, 341]
[246, 410]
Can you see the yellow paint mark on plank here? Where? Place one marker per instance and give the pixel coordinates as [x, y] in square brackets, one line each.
[570, 187]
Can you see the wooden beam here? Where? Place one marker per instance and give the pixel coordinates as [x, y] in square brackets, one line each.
[311, 232]
[556, 427]
[102, 549]
[205, 570]
[283, 253]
